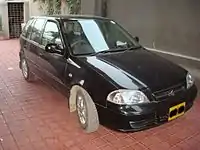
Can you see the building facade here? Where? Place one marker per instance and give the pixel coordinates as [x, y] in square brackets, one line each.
[14, 13]
[172, 26]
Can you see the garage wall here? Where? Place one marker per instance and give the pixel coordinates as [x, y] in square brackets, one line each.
[88, 7]
[170, 25]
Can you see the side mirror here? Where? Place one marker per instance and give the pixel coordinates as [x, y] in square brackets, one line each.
[53, 48]
[137, 39]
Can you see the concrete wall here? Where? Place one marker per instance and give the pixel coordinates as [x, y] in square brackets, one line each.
[88, 7]
[170, 25]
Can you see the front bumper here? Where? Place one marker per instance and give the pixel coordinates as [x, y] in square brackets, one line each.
[143, 116]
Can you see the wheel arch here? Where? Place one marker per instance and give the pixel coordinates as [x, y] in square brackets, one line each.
[73, 90]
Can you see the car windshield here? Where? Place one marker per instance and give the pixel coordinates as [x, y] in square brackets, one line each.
[93, 36]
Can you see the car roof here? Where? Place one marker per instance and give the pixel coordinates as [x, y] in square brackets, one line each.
[70, 17]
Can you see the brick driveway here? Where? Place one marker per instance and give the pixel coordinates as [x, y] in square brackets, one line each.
[33, 116]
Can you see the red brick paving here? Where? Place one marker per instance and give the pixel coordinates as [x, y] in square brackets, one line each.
[33, 116]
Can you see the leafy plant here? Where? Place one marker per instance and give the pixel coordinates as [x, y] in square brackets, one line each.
[51, 7]
[74, 6]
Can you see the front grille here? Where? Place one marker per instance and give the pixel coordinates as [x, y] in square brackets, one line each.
[163, 118]
[169, 92]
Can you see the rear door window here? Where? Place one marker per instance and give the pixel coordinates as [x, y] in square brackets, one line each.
[27, 27]
[37, 30]
[29, 30]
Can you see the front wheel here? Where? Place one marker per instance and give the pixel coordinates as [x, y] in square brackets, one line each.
[27, 74]
[87, 112]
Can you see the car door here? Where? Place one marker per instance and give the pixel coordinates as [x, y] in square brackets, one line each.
[53, 65]
[25, 42]
[34, 43]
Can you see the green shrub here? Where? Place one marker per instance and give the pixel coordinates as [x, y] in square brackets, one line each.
[54, 6]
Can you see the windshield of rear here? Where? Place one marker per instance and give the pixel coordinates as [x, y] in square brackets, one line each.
[90, 36]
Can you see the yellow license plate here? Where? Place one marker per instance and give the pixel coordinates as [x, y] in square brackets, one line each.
[176, 111]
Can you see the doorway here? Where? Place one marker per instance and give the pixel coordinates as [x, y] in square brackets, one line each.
[16, 18]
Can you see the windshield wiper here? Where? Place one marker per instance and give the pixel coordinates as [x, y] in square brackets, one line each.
[116, 50]
[134, 47]
[109, 51]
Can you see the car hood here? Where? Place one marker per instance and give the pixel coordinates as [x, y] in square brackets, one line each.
[138, 69]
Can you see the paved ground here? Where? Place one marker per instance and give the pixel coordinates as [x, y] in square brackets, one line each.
[35, 117]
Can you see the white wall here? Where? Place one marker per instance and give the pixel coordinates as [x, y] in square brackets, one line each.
[4, 14]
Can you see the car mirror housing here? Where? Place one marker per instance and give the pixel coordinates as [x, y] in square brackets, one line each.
[53, 48]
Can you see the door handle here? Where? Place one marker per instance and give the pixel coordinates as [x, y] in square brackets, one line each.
[25, 46]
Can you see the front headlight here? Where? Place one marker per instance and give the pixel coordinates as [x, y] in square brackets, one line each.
[127, 97]
[189, 80]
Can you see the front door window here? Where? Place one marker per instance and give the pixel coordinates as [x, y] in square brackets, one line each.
[51, 35]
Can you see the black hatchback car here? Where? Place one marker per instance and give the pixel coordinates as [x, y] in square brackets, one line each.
[112, 79]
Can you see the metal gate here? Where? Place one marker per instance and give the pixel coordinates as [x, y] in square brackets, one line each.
[16, 18]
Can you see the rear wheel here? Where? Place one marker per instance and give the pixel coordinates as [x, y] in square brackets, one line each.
[87, 112]
[28, 75]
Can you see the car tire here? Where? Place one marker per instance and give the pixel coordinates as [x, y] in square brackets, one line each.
[85, 103]
[27, 74]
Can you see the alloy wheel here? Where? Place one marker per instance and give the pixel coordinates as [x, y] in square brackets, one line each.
[24, 68]
[81, 109]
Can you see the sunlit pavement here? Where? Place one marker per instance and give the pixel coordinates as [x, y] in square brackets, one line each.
[33, 116]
